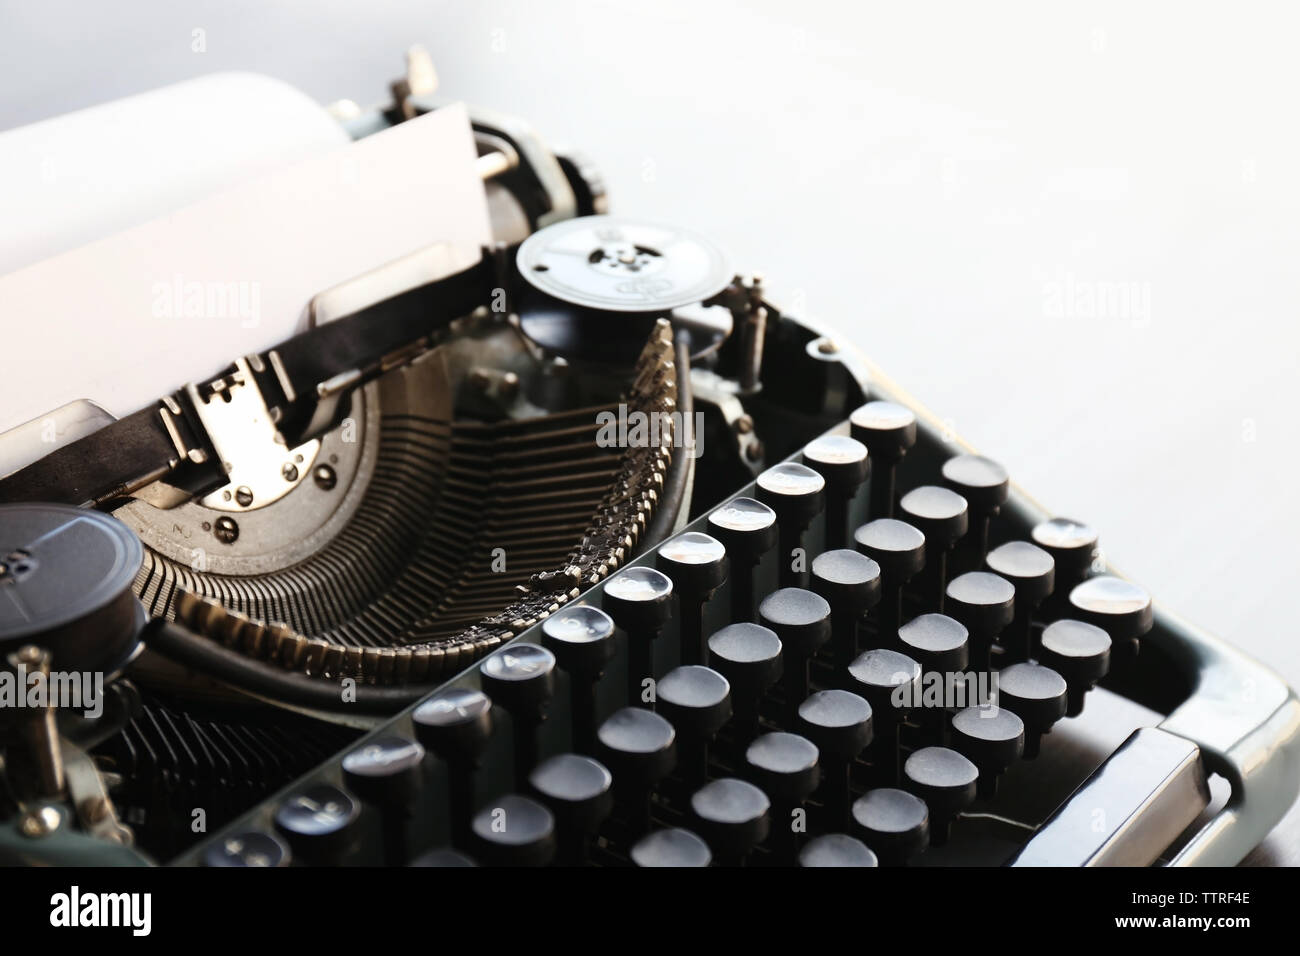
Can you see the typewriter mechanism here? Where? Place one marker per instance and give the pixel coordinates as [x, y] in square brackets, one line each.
[586, 552]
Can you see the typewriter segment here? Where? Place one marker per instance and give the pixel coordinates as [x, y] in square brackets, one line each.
[596, 557]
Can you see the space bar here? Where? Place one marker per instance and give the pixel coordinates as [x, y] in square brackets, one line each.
[1130, 810]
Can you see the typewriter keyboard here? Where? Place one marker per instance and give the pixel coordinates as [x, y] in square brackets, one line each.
[853, 661]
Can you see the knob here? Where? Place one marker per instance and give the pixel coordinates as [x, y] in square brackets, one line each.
[749, 657]
[578, 792]
[985, 486]
[1037, 695]
[319, 823]
[985, 603]
[1080, 653]
[941, 515]
[640, 749]
[891, 683]
[747, 528]
[386, 772]
[836, 849]
[515, 831]
[888, 430]
[1032, 573]
[673, 847]
[797, 494]
[802, 620]
[850, 583]
[843, 463]
[639, 600]
[697, 564]
[945, 780]
[456, 725]
[732, 815]
[839, 725]
[520, 679]
[697, 701]
[899, 549]
[992, 738]
[582, 639]
[895, 824]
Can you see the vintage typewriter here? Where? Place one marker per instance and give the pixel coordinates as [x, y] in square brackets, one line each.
[583, 551]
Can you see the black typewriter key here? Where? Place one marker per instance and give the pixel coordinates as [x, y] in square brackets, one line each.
[386, 772]
[639, 599]
[941, 515]
[732, 816]
[895, 824]
[520, 679]
[985, 486]
[697, 701]
[697, 564]
[578, 792]
[992, 738]
[640, 749]
[1080, 653]
[582, 639]
[1072, 545]
[843, 463]
[747, 528]
[443, 856]
[888, 430]
[786, 767]
[802, 620]
[514, 831]
[1118, 607]
[899, 549]
[797, 494]
[247, 848]
[850, 583]
[749, 657]
[1037, 695]
[839, 724]
[319, 823]
[891, 683]
[456, 726]
[836, 849]
[946, 781]
[1032, 572]
[985, 603]
[673, 847]
[937, 642]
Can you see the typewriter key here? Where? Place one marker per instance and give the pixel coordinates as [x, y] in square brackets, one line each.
[899, 549]
[697, 700]
[515, 831]
[443, 857]
[673, 847]
[839, 725]
[1072, 545]
[891, 683]
[749, 657]
[247, 848]
[639, 599]
[733, 816]
[386, 772]
[747, 528]
[520, 679]
[1037, 695]
[895, 824]
[985, 486]
[582, 639]
[802, 620]
[937, 642]
[850, 583]
[797, 494]
[456, 725]
[940, 515]
[640, 749]
[992, 738]
[1032, 572]
[577, 791]
[319, 822]
[1080, 653]
[985, 603]
[697, 564]
[1118, 607]
[945, 780]
[843, 463]
[785, 767]
[836, 849]
[888, 430]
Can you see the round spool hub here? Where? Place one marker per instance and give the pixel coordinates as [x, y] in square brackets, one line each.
[587, 267]
[65, 584]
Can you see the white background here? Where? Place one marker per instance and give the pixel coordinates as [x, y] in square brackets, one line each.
[934, 178]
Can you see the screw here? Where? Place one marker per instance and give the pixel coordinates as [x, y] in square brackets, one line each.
[744, 425]
[40, 823]
[244, 495]
[289, 471]
[325, 477]
[226, 530]
[827, 347]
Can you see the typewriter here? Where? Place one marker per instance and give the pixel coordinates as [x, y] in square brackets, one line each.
[582, 550]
